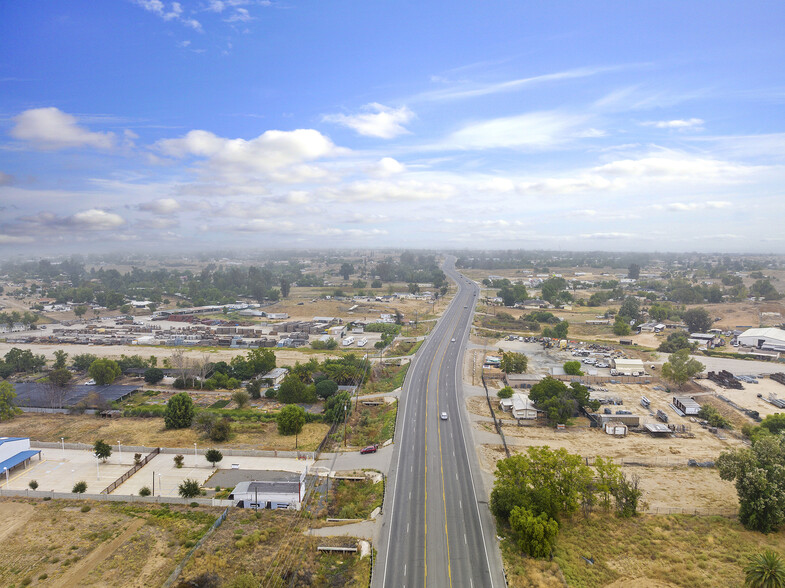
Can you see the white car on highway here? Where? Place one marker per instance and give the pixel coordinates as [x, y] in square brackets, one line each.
[443, 416]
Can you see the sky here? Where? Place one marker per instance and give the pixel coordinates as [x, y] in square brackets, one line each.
[202, 124]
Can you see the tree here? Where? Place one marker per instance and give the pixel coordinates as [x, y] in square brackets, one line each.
[758, 472]
[33, 485]
[346, 270]
[144, 491]
[286, 287]
[513, 363]
[326, 388]
[413, 288]
[627, 493]
[337, 406]
[676, 341]
[221, 430]
[292, 390]
[178, 461]
[697, 320]
[80, 311]
[534, 535]
[60, 359]
[241, 398]
[79, 487]
[559, 401]
[634, 271]
[179, 411]
[104, 371]
[213, 456]
[764, 289]
[189, 488]
[765, 570]
[83, 361]
[606, 480]
[290, 420]
[102, 450]
[8, 409]
[681, 367]
[560, 330]
[376, 284]
[573, 368]
[630, 309]
[621, 327]
[153, 375]
[543, 480]
[60, 377]
[505, 392]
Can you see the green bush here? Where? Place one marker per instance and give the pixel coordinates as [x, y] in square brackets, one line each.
[86, 508]
[80, 487]
[144, 491]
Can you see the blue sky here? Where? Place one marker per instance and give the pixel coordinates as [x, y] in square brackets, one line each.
[576, 125]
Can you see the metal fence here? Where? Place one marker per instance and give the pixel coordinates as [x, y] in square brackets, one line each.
[51, 494]
[131, 472]
[179, 569]
[227, 452]
[496, 422]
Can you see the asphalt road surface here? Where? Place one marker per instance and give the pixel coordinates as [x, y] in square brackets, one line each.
[438, 530]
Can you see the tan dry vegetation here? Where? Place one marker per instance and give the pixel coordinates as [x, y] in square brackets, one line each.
[248, 543]
[479, 405]
[107, 546]
[150, 432]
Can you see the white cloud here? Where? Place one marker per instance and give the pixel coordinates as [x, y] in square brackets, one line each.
[175, 12]
[611, 235]
[50, 128]
[159, 223]
[383, 191]
[240, 15]
[271, 152]
[534, 130]
[162, 206]
[690, 206]
[671, 165]
[377, 120]
[12, 239]
[386, 167]
[675, 124]
[95, 220]
[6, 179]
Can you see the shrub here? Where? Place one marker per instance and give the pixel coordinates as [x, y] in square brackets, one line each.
[33, 484]
[137, 458]
[270, 393]
[213, 456]
[144, 491]
[505, 392]
[179, 411]
[153, 375]
[241, 398]
[79, 487]
[221, 430]
[573, 368]
[178, 461]
[189, 488]
[86, 508]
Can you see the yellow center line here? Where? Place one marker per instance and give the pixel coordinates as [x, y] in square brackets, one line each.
[444, 498]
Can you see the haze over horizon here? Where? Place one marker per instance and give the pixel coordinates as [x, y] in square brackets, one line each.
[234, 124]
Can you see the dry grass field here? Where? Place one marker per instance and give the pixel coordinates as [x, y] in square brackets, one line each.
[646, 551]
[150, 432]
[81, 543]
[270, 546]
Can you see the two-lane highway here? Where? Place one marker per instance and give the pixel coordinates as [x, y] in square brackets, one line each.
[437, 529]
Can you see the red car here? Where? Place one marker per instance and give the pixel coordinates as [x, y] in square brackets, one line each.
[369, 449]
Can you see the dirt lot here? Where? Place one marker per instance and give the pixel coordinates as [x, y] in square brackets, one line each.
[150, 432]
[55, 543]
[748, 397]
[250, 545]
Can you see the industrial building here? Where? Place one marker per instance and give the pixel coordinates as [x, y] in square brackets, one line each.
[627, 367]
[276, 490]
[769, 338]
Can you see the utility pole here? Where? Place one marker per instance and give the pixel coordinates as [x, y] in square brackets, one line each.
[344, 424]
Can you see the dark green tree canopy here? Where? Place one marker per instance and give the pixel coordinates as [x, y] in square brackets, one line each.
[290, 420]
[179, 411]
[104, 371]
[697, 320]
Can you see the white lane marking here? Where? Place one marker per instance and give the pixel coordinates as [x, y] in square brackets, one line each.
[410, 495]
[464, 539]
[407, 527]
[460, 502]
[404, 569]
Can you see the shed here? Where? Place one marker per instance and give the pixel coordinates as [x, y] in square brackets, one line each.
[631, 420]
[616, 428]
[657, 429]
[627, 367]
[523, 408]
[686, 405]
[275, 376]
[522, 380]
[274, 491]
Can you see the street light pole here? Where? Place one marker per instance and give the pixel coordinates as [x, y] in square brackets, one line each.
[344, 424]
[160, 486]
[195, 457]
[97, 468]
[6, 477]
[62, 442]
[119, 451]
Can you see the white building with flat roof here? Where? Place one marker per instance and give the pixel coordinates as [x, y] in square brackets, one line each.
[768, 338]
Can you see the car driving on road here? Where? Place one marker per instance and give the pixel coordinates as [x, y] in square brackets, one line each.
[370, 449]
[443, 416]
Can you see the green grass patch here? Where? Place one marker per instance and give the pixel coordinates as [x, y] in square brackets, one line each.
[404, 348]
[386, 380]
[354, 499]
[220, 403]
[372, 424]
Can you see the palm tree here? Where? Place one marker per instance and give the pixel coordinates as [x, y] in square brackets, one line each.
[765, 570]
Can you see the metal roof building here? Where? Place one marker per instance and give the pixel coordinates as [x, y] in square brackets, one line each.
[768, 338]
[276, 490]
[15, 451]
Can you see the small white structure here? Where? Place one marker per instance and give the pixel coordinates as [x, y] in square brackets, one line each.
[770, 338]
[277, 315]
[627, 367]
[275, 376]
[686, 405]
[348, 342]
[277, 490]
[522, 407]
[615, 428]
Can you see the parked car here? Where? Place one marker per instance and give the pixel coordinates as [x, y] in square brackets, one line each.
[370, 449]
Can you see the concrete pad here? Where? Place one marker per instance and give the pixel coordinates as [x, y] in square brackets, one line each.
[59, 470]
[168, 477]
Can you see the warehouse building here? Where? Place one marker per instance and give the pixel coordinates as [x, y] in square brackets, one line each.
[771, 339]
[272, 490]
